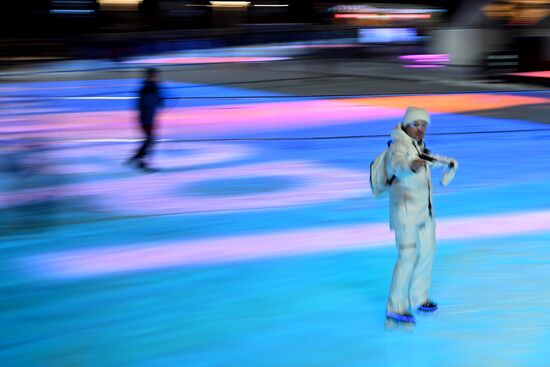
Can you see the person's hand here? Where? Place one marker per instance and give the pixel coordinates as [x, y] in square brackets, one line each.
[416, 165]
[453, 164]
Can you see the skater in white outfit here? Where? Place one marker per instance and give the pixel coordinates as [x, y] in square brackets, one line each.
[408, 166]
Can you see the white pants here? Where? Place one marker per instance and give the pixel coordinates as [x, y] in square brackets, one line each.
[412, 274]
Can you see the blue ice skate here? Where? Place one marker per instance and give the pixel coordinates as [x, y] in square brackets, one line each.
[401, 317]
[427, 307]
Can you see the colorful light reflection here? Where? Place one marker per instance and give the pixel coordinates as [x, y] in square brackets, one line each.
[423, 66]
[381, 16]
[224, 119]
[534, 74]
[427, 58]
[114, 260]
[204, 60]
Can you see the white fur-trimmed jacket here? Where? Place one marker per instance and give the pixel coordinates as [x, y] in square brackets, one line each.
[410, 192]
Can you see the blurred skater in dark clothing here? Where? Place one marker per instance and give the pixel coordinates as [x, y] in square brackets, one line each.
[149, 103]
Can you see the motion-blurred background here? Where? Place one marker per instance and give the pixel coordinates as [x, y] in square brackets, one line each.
[258, 242]
[497, 35]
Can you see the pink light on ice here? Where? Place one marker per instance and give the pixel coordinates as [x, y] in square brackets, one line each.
[205, 120]
[113, 260]
[426, 58]
[423, 66]
[153, 194]
[203, 60]
[534, 74]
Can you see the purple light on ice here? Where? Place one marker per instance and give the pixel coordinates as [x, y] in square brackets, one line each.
[432, 58]
[84, 263]
[232, 118]
[113, 260]
[204, 60]
[423, 66]
[164, 194]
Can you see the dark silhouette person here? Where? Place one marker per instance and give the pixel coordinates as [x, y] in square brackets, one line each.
[149, 102]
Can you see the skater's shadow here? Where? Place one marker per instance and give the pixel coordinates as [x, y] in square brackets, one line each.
[393, 325]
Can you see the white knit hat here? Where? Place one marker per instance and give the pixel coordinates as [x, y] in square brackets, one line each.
[414, 114]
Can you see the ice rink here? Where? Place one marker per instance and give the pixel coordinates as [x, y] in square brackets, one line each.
[259, 242]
